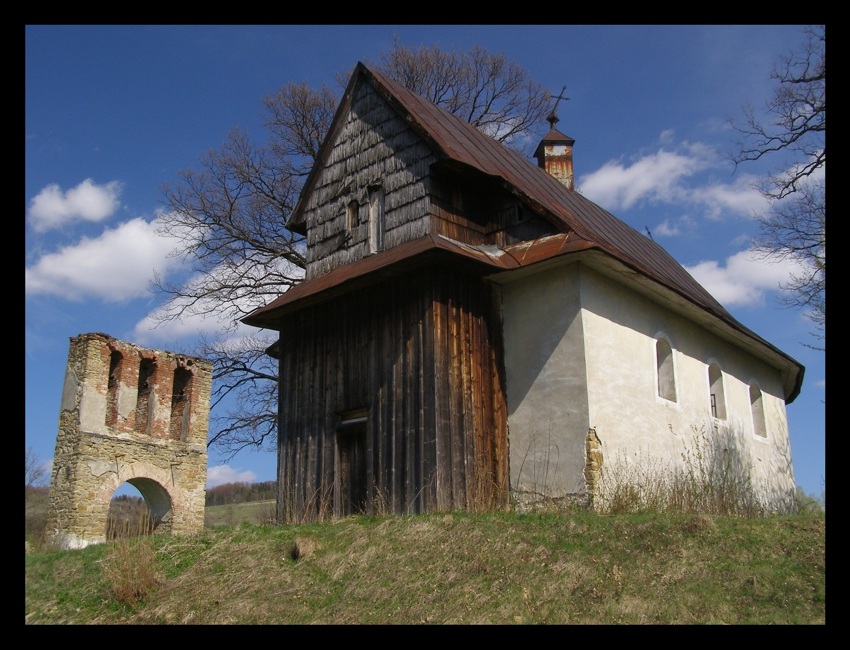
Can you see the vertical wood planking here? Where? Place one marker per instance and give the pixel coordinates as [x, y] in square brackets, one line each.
[418, 353]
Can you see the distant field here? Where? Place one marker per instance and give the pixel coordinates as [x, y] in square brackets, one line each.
[254, 512]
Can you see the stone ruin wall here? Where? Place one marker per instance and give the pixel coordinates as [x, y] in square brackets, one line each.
[129, 414]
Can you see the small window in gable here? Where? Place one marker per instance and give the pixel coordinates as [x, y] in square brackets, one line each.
[351, 215]
[376, 219]
[716, 394]
[757, 408]
[664, 365]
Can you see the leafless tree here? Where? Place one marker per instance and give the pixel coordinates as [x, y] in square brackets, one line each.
[228, 215]
[485, 89]
[35, 474]
[794, 227]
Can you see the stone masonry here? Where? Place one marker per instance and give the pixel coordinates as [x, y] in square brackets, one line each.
[134, 415]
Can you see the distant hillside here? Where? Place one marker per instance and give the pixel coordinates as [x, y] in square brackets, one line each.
[229, 493]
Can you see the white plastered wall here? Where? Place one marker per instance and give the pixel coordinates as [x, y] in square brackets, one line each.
[580, 355]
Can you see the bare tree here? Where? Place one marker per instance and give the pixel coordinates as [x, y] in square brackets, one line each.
[228, 216]
[35, 474]
[794, 227]
[482, 88]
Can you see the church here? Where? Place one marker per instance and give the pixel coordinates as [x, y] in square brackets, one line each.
[472, 332]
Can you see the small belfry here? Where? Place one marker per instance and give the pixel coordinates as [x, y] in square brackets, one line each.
[555, 151]
[134, 415]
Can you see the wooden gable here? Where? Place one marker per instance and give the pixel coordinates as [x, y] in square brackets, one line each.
[375, 167]
[380, 183]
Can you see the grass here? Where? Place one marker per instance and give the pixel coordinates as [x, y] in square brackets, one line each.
[696, 546]
[259, 512]
[452, 568]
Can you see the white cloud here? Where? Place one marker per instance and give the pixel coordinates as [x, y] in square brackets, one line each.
[744, 280]
[50, 208]
[667, 135]
[674, 228]
[738, 198]
[209, 315]
[152, 330]
[657, 178]
[114, 267]
[221, 474]
[668, 177]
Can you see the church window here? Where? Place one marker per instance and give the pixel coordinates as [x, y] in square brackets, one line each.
[664, 367]
[716, 394]
[757, 408]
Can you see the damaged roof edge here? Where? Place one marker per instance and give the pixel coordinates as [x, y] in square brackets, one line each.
[498, 261]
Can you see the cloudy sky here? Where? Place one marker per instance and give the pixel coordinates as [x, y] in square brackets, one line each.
[113, 112]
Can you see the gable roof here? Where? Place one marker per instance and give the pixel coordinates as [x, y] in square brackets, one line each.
[459, 143]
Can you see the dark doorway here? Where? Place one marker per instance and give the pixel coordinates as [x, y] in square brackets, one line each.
[351, 446]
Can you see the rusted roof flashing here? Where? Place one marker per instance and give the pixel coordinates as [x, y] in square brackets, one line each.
[488, 258]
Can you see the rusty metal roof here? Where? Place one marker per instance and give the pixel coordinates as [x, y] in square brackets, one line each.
[455, 140]
[489, 259]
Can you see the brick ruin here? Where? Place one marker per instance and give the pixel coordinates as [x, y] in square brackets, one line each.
[134, 415]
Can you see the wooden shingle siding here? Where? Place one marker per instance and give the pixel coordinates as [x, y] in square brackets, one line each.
[374, 147]
[421, 355]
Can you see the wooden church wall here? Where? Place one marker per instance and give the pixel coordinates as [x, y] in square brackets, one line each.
[476, 210]
[419, 356]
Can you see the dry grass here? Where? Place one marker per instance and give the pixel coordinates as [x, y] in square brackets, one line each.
[709, 481]
[129, 566]
[453, 568]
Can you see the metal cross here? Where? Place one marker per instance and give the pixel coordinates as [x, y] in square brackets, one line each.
[559, 98]
[552, 118]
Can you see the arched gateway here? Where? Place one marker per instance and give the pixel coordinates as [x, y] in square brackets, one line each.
[132, 415]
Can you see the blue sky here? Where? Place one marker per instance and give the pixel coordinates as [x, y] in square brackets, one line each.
[114, 111]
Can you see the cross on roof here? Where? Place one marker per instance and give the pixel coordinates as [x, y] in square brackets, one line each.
[552, 118]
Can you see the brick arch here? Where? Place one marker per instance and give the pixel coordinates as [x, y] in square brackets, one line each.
[103, 441]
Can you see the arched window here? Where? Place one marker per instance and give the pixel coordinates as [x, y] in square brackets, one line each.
[664, 365]
[757, 407]
[715, 390]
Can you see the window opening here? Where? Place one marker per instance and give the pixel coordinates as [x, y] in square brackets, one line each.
[376, 219]
[716, 394]
[115, 359]
[664, 363]
[351, 215]
[147, 368]
[757, 407]
[178, 424]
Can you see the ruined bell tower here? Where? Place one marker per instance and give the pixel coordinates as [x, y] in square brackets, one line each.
[135, 415]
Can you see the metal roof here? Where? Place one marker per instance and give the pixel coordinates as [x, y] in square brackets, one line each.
[455, 140]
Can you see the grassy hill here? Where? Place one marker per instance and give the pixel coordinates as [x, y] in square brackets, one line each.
[454, 568]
